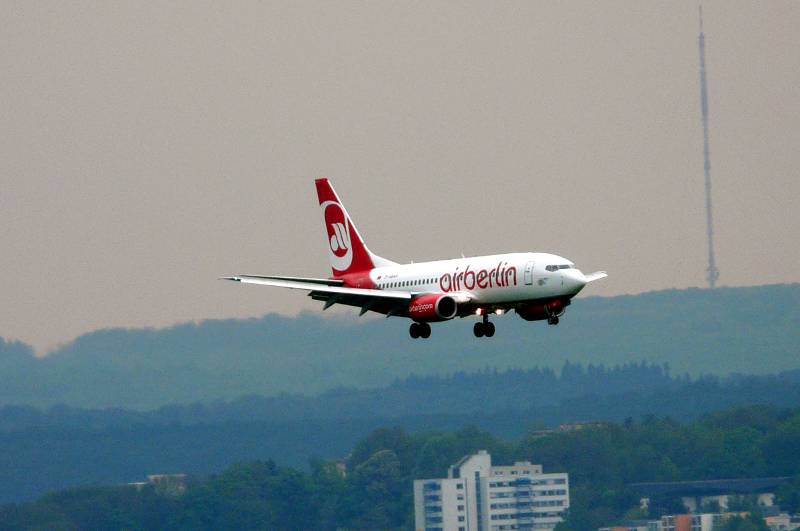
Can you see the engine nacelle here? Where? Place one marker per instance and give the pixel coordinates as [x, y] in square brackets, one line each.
[540, 311]
[432, 307]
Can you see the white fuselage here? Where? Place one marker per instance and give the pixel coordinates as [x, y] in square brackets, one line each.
[494, 279]
[537, 286]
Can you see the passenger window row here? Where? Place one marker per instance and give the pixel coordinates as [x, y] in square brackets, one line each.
[407, 283]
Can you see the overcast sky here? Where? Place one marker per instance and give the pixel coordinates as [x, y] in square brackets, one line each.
[147, 148]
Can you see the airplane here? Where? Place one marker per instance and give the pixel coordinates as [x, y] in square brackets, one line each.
[537, 286]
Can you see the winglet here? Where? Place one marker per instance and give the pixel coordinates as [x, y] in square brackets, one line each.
[597, 275]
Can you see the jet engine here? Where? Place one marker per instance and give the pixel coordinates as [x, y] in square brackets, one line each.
[432, 307]
[540, 311]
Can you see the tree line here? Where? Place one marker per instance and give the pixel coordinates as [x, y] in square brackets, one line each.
[374, 490]
[46, 450]
[549, 393]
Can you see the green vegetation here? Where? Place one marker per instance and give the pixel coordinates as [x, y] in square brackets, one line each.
[310, 389]
[728, 330]
[751, 522]
[41, 451]
[376, 491]
[788, 496]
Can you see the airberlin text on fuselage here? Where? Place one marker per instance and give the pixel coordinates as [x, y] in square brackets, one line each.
[499, 277]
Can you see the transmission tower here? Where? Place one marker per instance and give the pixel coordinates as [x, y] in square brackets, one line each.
[712, 273]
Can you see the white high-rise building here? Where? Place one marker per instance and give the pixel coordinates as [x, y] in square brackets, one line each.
[477, 496]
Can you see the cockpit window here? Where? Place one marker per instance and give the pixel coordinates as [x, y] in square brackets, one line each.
[557, 267]
[565, 266]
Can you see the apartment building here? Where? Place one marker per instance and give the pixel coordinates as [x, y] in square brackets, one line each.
[477, 496]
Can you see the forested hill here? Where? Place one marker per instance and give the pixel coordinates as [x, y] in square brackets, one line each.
[507, 403]
[42, 450]
[602, 462]
[747, 330]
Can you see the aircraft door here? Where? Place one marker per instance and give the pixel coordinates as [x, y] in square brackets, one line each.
[528, 276]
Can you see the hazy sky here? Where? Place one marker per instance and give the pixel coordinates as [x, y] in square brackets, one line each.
[147, 148]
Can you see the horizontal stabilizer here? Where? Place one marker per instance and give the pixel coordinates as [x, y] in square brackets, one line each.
[322, 281]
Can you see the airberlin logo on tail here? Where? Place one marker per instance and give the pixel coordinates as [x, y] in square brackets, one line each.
[339, 250]
[339, 240]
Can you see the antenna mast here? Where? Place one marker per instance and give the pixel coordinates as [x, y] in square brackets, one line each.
[712, 273]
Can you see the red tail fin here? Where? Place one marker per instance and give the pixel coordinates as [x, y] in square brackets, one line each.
[346, 249]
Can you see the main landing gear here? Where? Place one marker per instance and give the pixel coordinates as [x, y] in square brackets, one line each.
[552, 315]
[422, 330]
[483, 328]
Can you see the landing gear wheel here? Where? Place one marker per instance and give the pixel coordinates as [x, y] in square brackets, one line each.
[553, 320]
[488, 329]
[424, 330]
[477, 329]
[414, 330]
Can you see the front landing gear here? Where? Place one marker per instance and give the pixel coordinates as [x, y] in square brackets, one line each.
[422, 330]
[553, 320]
[483, 328]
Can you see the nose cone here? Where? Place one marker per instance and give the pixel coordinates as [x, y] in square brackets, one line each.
[573, 280]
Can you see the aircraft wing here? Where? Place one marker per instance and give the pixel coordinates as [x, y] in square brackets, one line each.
[333, 292]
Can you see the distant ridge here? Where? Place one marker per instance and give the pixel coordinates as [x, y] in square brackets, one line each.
[728, 330]
[46, 449]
